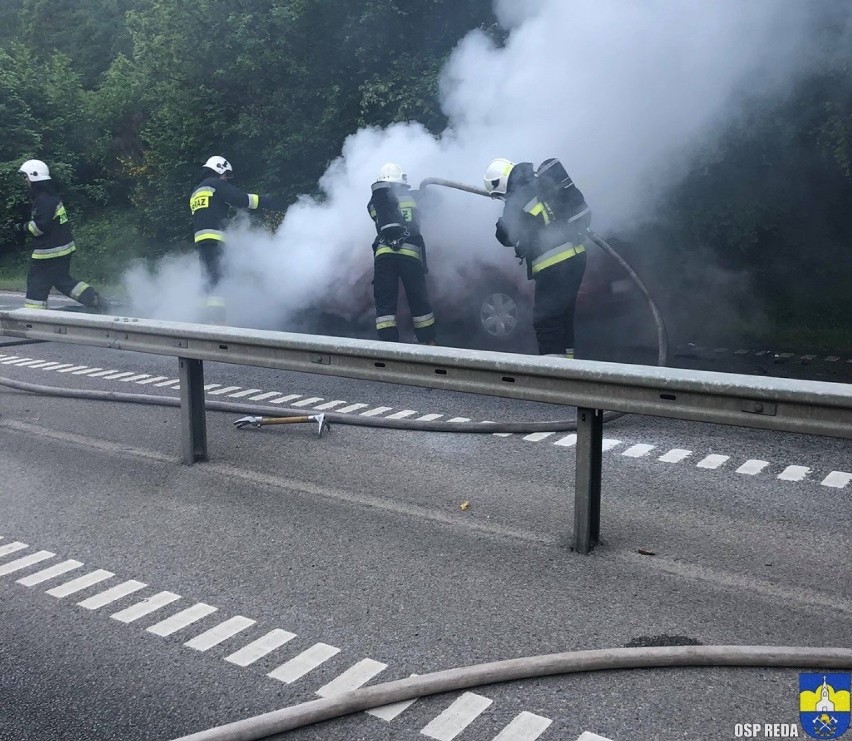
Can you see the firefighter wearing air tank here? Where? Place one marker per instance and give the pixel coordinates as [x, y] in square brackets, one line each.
[53, 244]
[210, 203]
[400, 255]
[546, 220]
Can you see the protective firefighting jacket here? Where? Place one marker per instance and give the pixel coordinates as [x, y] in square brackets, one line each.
[530, 224]
[209, 204]
[50, 228]
[413, 244]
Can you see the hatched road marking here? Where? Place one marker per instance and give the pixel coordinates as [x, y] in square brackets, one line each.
[457, 717]
[524, 727]
[305, 662]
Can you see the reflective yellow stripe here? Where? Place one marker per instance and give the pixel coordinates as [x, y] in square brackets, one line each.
[215, 302]
[385, 322]
[34, 230]
[557, 254]
[200, 236]
[66, 249]
[423, 321]
[254, 201]
[78, 289]
[28, 304]
[200, 198]
[540, 209]
[385, 250]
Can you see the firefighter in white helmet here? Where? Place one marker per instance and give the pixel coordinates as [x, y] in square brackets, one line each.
[546, 220]
[399, 255]
[53, 244]
[210, 203]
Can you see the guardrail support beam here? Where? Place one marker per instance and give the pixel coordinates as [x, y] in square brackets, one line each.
[192, 412]
[587, 480]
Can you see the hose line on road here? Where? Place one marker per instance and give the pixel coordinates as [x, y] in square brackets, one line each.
[329, 708]
[565, 425]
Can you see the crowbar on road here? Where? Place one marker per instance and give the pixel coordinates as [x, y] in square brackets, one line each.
[264, 421]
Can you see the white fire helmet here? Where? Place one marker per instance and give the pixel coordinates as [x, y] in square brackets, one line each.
[497, 176]
[35, 170]
[392, 173]
[219, 164]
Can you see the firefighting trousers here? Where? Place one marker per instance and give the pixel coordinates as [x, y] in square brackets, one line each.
[210, 253]
[556, 290]
[389, 271]
[46, 273]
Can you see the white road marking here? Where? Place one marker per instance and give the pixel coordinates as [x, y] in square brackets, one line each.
[38, 363]
[310, 401]
[145, 607]
[12, 547]
[284, 399]
[459, 419]
[837, 479]
[429, 417]
[403, 414]
[568, 441]
[226, 390]
[259, 648]
[137, 377]
[352, 408]
[266, 395]
[330, 404]
[524, 727]
[586, 736]
[174, 382]
[675, 455]
[638, 451]
[52, 572]
[101, 373]
[609, 444]
[211, 386]
[389, 712]
[245, 392]
[20, 361]
[73, 368]
[57, 367]
[376, 411]
[179, 621]
[22, 563]
[752, 467]
[496, 434]
[151, 380]
[116, 376]
[794, 473]
[112, 595]
[457, 717]
[220, 633]
[713, 461]
[86, 371]
[354, 677]
[306, 661]
[832, 359]
[535, 437]
[80, 583]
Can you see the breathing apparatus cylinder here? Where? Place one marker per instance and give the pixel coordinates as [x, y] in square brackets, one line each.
[557, 188]
[389, 220]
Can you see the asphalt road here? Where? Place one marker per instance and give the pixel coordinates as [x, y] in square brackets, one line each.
[374, 554]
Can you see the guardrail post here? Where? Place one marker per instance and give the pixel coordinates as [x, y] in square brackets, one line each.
[192, 411]
[587, 479]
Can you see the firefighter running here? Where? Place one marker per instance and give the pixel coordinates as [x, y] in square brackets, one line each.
[209, 203]
[400, 254]
[53, 244]
[545, 219]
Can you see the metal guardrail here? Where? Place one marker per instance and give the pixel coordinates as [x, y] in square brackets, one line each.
[807, 407]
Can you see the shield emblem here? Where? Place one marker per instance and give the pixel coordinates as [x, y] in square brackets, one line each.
[824, 701]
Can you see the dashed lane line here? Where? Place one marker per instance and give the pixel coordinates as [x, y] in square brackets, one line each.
[182, 619]
[457, 717]
[222, 632]
[96, 601]
[145, 607]
[22, 563]
[50, 573]
[13, 547]
[261, 647]
[305, 662]
[354, 677]
[834, 479]
[80, 583]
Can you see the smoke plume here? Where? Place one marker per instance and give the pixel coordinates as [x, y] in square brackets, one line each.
[621, 91]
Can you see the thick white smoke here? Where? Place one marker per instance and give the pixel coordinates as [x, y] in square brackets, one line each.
[619, 90]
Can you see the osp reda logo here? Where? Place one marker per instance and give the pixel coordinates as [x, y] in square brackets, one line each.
[824, 704]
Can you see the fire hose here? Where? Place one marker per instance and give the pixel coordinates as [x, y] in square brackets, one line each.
[329, 708]
[265, 415]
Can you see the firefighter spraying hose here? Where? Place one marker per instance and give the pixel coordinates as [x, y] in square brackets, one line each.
[277, 415]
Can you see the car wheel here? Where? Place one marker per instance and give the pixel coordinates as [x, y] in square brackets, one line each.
[499, 316]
